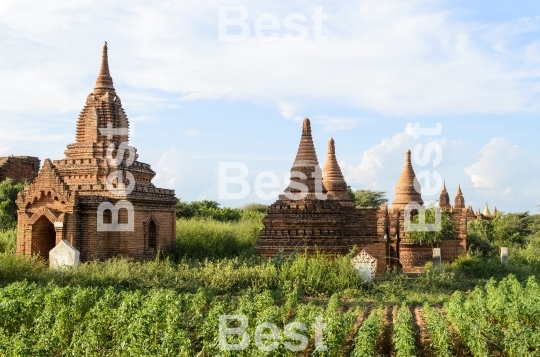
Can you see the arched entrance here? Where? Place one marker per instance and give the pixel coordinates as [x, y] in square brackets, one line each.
[43, 237]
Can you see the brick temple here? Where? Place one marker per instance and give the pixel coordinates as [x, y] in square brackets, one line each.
[331, 224]
[104, 204]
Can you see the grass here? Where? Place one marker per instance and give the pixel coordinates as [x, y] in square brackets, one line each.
[220, 258]
[207, 238]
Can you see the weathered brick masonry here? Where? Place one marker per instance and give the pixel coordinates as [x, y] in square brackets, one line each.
[63, 201]
[333, 225]
[19, 168]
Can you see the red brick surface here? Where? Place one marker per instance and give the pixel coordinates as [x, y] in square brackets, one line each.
[19, 168]
[67, 192]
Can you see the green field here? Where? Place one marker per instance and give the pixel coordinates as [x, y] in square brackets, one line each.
[171, 306]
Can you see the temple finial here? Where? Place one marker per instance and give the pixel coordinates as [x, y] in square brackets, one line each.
[104, 79]
[306, 127]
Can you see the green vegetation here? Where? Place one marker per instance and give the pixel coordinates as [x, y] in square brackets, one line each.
[441, 339]
[8, 240]
[206, 209]
[429, 236]
[201, 238]
[368, 336]
[171, 305]
[403, 333]
[367, 198]
[498, 318]
[8, 208]
[515, 230]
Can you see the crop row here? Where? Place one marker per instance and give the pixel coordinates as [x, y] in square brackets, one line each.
[499, 319]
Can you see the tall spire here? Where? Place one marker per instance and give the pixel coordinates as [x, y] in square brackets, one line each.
[332, 177]
[407, 189]
[104, 79]
[306, 163]
[306, 155]
[459, 201]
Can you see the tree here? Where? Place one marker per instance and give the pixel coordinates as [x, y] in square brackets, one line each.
[504, 230]
[190, 210]
[208, 210]
[368, 198]
[8, 208]
[429, 236]
[255, 207]
[351, 194]
[480, 236]
[511, 228]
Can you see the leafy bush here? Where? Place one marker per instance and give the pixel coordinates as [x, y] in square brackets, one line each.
[427, 236]
[510, 229]
[8, 240]
[8, 208]
[367, 198]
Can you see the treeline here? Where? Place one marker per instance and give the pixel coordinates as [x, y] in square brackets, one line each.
[506, 229]
[206, 209]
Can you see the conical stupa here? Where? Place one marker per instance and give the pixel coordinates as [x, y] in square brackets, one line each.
[487, 212]
[333, 178]
[459, 200]
[306, 174]
[444, 198]
[408, 188]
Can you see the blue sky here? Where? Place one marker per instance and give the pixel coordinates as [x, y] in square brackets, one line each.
[194, 101]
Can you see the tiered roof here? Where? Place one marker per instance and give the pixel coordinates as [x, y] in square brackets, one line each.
[305, 169]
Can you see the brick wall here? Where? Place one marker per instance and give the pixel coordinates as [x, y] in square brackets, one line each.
[414, 257]
[19, 168]
[451, 249]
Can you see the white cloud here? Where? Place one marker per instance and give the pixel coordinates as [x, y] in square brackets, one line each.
[502, 167]
[382, 164]
[335, 123]
[386, 56]
[191, 179]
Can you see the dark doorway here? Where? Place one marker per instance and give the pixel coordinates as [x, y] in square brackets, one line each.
[43, 237]
[152, 233]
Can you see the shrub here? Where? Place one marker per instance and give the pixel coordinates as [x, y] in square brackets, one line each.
[8, 208]
[8, 240]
